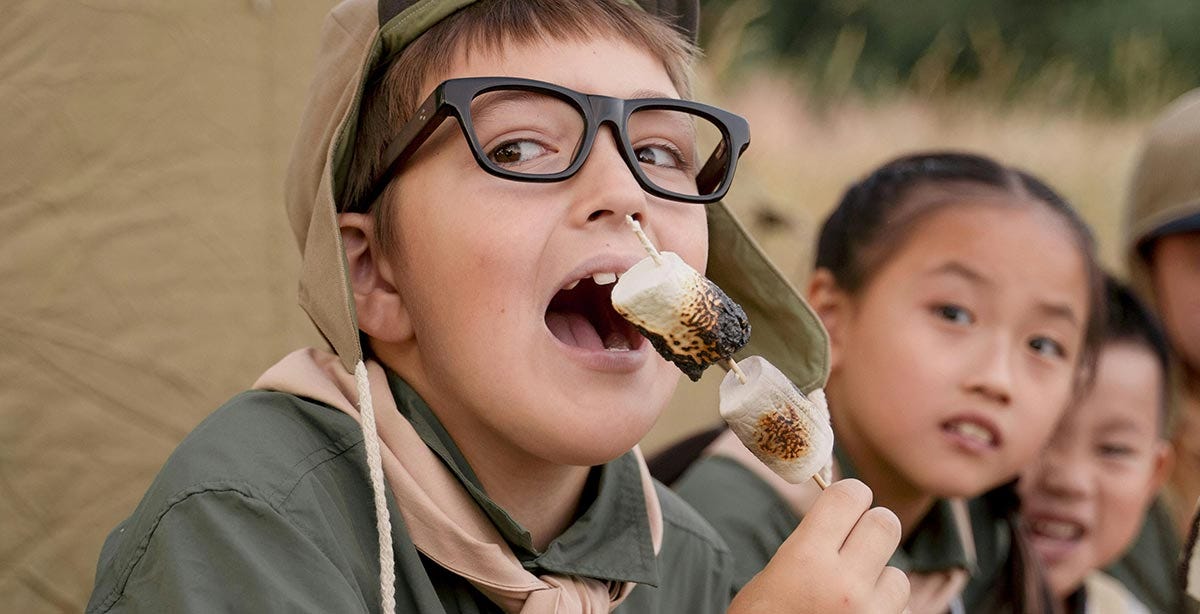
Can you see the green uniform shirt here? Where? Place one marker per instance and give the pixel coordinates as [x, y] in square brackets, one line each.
[266, 507]
[1148, 569]
[997, 584]
[1007, 578]
[754, 520]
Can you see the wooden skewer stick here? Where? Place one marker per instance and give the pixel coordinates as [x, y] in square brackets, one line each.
[650, 249]
[730, 365]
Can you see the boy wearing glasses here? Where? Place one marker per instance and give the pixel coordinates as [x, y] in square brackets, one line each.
[459, 191]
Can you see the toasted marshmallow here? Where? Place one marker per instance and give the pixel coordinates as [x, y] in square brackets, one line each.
[788, 432]
[686, 317]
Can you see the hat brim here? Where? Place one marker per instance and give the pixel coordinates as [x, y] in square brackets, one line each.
[1188, 222]
[784, 328]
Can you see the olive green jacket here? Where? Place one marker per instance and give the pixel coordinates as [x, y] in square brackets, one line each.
[1148, 568]
[265, 507]
[754, 519]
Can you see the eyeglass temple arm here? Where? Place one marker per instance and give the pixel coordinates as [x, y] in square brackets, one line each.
[709, 178]
[414, 133]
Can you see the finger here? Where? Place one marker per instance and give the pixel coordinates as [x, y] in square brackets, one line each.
[831, 517]
[871, 542]
[892, 590]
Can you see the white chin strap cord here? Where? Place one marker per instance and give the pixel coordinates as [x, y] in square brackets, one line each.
[383, 521]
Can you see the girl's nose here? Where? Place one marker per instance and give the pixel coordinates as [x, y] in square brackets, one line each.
[992, 373]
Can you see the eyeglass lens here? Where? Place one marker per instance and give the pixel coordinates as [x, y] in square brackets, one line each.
[536, 133]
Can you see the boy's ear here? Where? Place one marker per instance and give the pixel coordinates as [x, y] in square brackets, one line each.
[1164, 462]
[382, 314]
[832, 305]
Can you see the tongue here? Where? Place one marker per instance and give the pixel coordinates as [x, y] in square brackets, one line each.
[574, 329]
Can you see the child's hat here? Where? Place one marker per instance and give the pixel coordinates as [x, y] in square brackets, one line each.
[1164, 194]
[361, 35]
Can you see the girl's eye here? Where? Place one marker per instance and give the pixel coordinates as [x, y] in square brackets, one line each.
[659, 155]
[953, 313]
[1047, 347]
[516, 152]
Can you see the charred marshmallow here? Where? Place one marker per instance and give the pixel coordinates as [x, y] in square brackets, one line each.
[686, 317]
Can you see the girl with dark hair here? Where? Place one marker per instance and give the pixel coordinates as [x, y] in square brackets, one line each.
[961, 300]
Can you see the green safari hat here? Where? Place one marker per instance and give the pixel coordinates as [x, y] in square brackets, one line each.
[1164, 193]
[362, 35]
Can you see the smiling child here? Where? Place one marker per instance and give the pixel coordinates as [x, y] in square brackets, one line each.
[1163, 254]
[1085, 498]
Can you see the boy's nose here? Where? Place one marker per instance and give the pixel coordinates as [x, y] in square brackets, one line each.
[1063, 472]
[605, 187]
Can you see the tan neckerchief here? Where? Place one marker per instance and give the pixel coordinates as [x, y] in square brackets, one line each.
[442, 519]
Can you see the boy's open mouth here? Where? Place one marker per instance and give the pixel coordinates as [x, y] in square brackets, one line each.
[1055, 537]
[581, 315]
[1056, 529]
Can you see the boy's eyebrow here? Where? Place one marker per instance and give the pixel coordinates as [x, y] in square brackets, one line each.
[649, 94]
[492, 100]
[1120, 425]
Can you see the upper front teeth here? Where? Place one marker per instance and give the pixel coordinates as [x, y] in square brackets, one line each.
[601, 279]
[973, 430]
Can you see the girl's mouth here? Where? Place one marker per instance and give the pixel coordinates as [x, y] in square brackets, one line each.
[581, 315]
[972, 434]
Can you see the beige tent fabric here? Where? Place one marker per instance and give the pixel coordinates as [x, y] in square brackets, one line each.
[147, 268]
[142, 238]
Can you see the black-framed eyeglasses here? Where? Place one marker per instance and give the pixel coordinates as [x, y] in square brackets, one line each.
[527, 130]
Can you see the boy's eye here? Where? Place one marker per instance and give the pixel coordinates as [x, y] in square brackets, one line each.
[953, 313]
[661, 155]
[1114, 450]
[515, 152]
[1047, 347]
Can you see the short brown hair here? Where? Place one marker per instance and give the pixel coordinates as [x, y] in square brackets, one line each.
[392, 96]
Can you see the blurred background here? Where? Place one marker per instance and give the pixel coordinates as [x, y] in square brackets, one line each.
[147, 272]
